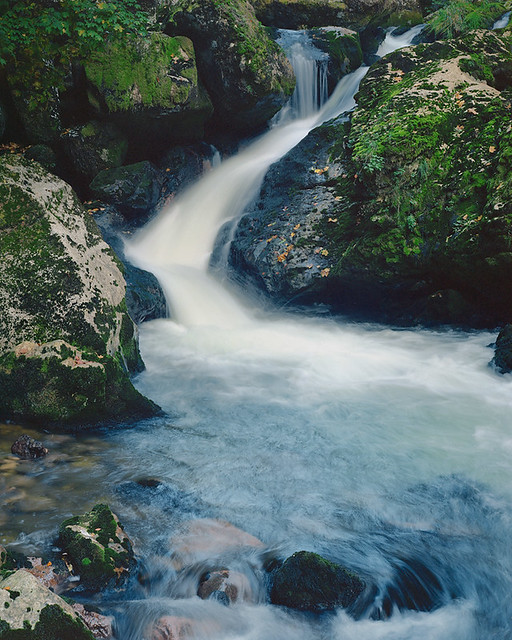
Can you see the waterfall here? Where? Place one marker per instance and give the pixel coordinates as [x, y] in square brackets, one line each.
[176, 246]
[502, 22]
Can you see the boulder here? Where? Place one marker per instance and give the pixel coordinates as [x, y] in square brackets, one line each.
[30, 610]
[134, 188]
[99, 625]
[93, 147]
[344, 49]
[27, 448]
[43, 154]
[246, 74]
[503, 350]
[171, 628]
[297, 14]
[412, 223]
[60, 286]
[308, 582]
[97, 547]
[225, 586]
[150, 88]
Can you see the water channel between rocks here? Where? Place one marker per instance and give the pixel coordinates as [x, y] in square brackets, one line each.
[385, 450]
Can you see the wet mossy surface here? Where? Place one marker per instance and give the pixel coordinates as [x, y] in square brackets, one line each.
[96, 546]
[53, 624]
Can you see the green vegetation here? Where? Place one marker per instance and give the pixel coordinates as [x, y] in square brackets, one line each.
[455, 17]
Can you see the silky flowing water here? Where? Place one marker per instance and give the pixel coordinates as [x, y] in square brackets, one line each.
[385, 450]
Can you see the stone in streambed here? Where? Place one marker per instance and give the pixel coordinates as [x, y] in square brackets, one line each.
[308, 582]
[27, 448]
[30, 611]
[97, 547]
[503, 350]
[224, 585]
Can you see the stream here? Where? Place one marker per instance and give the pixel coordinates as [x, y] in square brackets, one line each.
[386, 450]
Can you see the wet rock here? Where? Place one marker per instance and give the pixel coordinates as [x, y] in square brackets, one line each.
[134, 188]
[503, 350]
[27, 448]
[150, 88]
[99, 625]
[181, 166]
[207, 538]
[43, 154]
[3, 120]
[344, 49]
[308, 582]
[171, 628]
[47, 574]
[224, 585]
[93, 147]
[246, 74]
[97, 547]
[30, 610]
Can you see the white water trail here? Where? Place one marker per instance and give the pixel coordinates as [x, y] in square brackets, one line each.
[392, 43]
[502, 22]
[176, 246]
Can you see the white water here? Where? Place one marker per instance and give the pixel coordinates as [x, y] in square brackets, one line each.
[378, 448]
[502, 22]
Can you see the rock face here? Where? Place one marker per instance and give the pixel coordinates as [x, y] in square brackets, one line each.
[150, 88]
[97, 547]
[133, 188]
[246, 74]
[93, 147]
[415, 223]
[27, 448]
[30, 610]
[295, 14]
[503, 352]
[60, 286]
[308, 582]
[344, 49]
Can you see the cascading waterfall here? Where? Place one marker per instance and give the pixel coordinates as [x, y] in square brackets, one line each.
[385, 450]
[502, 22]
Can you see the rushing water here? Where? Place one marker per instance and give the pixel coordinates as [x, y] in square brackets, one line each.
[385, 450]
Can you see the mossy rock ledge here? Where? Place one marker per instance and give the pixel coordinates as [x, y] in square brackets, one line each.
[402, 214]
[67, 343]
[247, 75]
[97, 547]
[30, 611]
[308, 582]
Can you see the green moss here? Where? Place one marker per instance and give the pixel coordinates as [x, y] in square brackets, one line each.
[53, 624]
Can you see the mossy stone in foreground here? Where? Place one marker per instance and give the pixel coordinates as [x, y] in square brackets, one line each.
[96, 546]
[308, 582]
[30, 611]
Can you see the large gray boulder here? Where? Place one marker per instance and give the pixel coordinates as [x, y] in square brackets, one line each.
[30, 611]
[67, 342]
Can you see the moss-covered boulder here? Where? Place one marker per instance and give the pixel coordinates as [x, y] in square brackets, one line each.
[93, 147]
[43, 154]
[97, 547]
[30, 611]
[414, 223]
[59, 281]
[246, 74]
[308, 582]
[296, 14]
[133, 188]
[150, 88]
[344, 49]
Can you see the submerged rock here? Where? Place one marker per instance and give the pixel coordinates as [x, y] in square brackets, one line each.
[246, 74]
[27, 448]
[66, 339]
[30, 611]
[97, 547]
[225, 586]
[308, 582]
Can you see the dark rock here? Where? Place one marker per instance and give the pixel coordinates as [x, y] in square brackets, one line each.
[99, 625]
[27, 448]
[181, 166]
[97, 547]
[134, 188]
[503, 350]
[246, 74]
[93, 147]
[308, 582]
[3, 120]
[344, 49]
[43, 154]
[225, 586]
